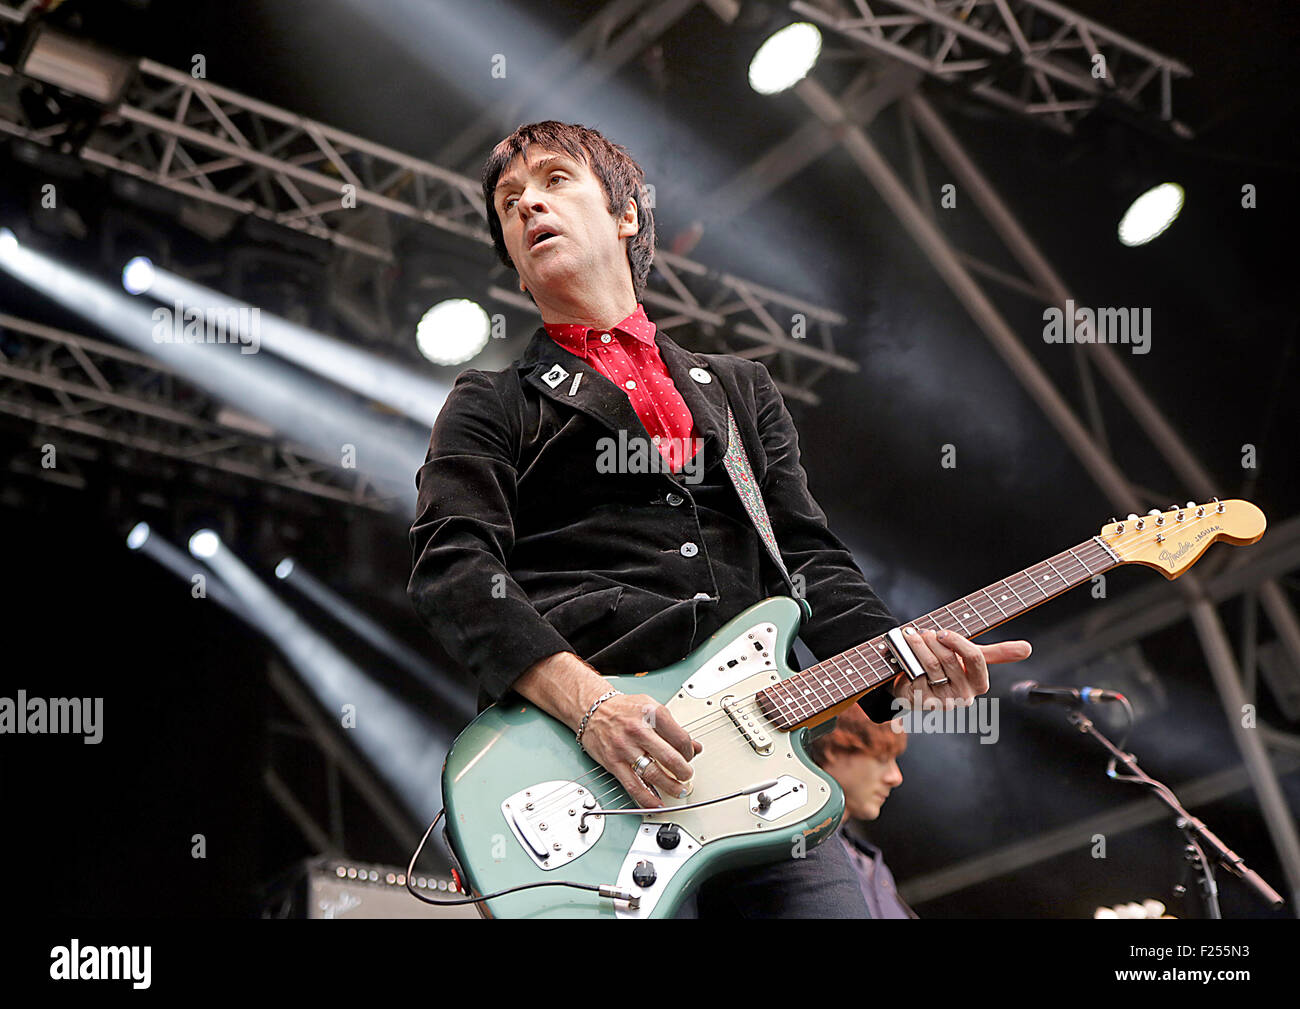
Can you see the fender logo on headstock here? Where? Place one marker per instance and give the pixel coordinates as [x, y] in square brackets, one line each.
[1171, 557]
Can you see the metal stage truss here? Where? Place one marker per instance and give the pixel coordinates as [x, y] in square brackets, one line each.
[101, 391]
[1033, 57]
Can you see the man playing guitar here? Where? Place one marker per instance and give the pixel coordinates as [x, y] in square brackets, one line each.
[539, 569]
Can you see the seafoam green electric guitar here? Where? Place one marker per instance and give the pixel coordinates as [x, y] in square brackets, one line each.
[530, 813]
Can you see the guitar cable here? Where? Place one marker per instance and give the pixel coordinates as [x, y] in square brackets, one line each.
[609, 890]
[603, 890]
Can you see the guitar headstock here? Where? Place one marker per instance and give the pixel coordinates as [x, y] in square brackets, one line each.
[1172, 541]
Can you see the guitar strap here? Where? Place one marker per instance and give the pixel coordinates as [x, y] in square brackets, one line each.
[736, 462]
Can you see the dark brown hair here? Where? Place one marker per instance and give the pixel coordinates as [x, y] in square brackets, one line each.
[854, 732]
[620, 175]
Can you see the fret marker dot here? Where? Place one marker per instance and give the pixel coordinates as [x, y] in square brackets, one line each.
[965, 615]
[1004, 595]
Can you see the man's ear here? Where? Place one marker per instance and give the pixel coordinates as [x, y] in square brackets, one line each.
[629, 224]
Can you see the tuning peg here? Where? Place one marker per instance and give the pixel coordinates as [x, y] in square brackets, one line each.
[1219, 509]
[1191, 504]
[1132, 517]
[1154, 511]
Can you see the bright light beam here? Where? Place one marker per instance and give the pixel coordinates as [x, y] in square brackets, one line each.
[417, 396]
[185, 567]
[399, 742]
[300, 407]
[458, 703]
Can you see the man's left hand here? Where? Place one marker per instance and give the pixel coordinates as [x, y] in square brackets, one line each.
[964, 663]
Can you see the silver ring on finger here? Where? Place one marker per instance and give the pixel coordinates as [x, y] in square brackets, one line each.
[936, 683]
[642, 762]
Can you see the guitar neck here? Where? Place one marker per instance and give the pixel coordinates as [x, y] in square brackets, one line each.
[848, 675]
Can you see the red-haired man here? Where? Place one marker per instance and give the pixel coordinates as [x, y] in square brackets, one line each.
[862, 756]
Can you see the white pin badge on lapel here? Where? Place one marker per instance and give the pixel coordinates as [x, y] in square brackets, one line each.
[701, 376]
[577, 377]
[555, 376]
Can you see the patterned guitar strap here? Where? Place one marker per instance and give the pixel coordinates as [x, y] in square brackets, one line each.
[742, 476]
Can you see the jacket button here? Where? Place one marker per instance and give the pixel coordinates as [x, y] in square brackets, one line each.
[701, 376]
[689, 549]
[674, 499]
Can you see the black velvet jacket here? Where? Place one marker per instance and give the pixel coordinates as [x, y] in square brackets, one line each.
[524, 545]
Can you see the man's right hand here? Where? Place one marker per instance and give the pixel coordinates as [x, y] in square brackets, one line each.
[629, 726]
[622, 729]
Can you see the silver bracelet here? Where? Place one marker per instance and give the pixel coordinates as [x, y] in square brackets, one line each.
[582, 727]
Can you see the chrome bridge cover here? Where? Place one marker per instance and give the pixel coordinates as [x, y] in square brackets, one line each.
[544, 819]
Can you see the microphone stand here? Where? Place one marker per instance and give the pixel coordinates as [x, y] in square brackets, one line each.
[1199, 836]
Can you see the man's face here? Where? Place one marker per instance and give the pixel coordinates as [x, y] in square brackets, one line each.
[553, 193]
[866, 780]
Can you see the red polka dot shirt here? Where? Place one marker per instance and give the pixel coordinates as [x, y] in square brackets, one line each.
[628, 357]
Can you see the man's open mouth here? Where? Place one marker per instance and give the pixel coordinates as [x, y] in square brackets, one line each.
[542, 237]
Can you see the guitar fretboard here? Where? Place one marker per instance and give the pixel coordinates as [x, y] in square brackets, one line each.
[868, 665]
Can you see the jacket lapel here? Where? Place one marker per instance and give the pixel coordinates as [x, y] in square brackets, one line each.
[552, 370]
[567, 379]
[707, 401]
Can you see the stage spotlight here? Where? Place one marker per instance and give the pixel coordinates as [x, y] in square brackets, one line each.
[284, 569]
[138, 535]
[453, 331]
[1151, 214]
[76, 66]
[8, 241]
[138, 275]
[204, 544]
[785, 58]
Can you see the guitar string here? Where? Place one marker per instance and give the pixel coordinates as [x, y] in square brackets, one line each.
[607, 775]
[729, 748]
[722, 720]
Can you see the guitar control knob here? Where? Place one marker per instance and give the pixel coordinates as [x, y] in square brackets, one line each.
[644, 875]
[669, 836]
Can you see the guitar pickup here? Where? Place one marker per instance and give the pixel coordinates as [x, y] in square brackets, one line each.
[750, 724]
[896, 640]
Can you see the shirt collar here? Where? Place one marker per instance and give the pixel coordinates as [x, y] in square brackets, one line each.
[853, 830]
[573, 336]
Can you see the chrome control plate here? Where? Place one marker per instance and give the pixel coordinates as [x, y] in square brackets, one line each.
[789, 794]
[666, 863]
[753, 651]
